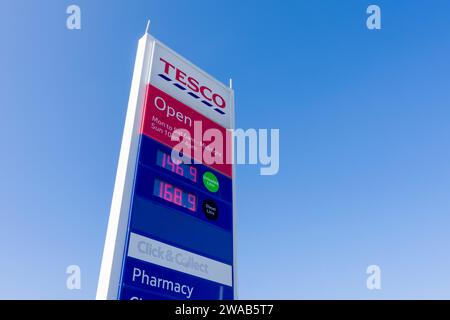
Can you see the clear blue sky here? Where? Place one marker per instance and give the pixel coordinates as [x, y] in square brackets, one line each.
[363, 117]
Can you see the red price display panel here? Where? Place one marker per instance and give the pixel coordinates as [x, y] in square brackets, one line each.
[170, 193]
[164, 160]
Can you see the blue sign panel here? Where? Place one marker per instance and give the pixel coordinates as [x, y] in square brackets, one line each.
[164, 282]
[179, 237]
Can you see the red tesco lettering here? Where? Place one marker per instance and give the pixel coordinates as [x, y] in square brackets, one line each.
[193, 84]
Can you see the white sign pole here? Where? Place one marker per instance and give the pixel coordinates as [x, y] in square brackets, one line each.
[109, 278]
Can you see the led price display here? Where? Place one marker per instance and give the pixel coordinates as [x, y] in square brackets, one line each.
[164, 160]
[170, 193]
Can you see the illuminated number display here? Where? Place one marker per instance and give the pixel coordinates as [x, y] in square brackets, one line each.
[170, 193]
[164, 160]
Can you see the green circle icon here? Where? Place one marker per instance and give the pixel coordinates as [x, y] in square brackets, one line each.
[210, 181]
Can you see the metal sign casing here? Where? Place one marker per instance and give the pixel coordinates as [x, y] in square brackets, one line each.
[171, 226]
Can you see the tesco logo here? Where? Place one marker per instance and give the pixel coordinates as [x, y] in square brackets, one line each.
[185, 82]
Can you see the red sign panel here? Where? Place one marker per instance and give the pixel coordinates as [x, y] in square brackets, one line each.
[209, 143]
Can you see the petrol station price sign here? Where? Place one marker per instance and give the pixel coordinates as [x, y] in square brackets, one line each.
[171, 227]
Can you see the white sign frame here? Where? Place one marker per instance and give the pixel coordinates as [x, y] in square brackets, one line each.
[116, 235]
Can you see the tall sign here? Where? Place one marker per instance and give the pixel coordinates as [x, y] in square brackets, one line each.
[171, 226]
